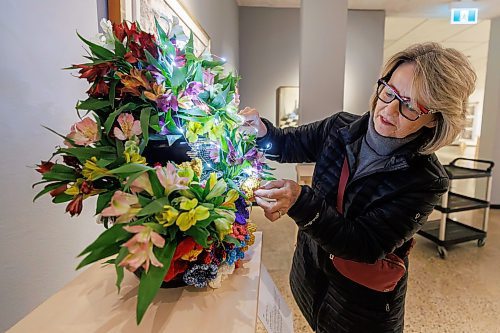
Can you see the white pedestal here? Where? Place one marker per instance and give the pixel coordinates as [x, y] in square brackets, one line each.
[90, 303]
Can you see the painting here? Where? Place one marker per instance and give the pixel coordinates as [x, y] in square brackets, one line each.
[144, 12]
[287, 106]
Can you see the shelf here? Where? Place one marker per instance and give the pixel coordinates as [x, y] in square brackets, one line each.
[455, 172]
[456, 232]
[459, 203]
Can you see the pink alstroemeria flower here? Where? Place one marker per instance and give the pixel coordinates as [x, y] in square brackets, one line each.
[83, 133]
[170, 180]
[123, 205]
[140, 248]
[142, 183]
[129, 127]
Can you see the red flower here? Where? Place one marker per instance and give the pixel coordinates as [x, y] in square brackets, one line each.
[148, 42]
[59, 190]
[99, 89]
[130, 58]
[131, 32]
[44, 166]
[119, 31]
[75, 206]
[178, 265]
[94, 72]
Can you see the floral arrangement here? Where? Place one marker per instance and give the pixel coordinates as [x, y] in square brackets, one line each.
[164, 221]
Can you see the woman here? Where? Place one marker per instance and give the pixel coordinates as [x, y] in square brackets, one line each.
[375, 183]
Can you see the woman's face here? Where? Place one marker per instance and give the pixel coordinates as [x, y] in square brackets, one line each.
[388, 121]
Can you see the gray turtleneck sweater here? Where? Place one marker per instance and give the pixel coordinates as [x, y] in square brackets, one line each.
[376, 150]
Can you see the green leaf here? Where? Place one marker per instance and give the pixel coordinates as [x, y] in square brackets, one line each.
[232, 240]
[219, 101]
[119, 269]
[198, 76]
[200, 235]
[99, 254]
[143, 201]
[111, 118]
[63, 197]
[178, 76]
[60, 173]
[85, 153]
[144, 118]
[161, 33]
[114, 235]
[130, 168]
[212, 63]
[151, 281]
[190, 44]
[158, 189]
[98, 50]
[112, 92]
[48, 188]
[93, 104]
[154, 207]
[103, 201]
[119, 48]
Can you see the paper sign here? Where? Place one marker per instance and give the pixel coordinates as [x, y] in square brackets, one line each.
[273, 311]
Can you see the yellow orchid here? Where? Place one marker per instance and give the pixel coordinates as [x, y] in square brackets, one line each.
[224, 224]
[231, 197]
[188, 204]
[186, 172]
[187, 219]
[91, 170]
[217, 190]
[193, 130]
[131, 153]
[215, 130]
[168, 216]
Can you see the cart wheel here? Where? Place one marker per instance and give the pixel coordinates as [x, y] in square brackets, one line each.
[443, 253]
[481, 242]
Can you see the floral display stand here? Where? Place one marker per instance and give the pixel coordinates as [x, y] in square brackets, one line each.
[89, 303]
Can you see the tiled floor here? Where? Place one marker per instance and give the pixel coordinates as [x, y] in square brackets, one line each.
[459, 294]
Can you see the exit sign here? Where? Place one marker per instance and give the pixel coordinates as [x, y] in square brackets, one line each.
[463, 15]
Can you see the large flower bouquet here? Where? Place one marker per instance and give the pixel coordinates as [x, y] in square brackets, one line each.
[164, 221]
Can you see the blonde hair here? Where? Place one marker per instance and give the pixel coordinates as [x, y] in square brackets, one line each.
[443, 81]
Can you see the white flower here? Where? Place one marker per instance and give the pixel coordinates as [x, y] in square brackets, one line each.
[107, 38]
[222, 273]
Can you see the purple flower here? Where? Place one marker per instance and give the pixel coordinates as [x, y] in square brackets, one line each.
[232, 157]
[156, 74]
[208, 77]
[167, 101]
[214, 153]
[251, 155]
[241, 208]
[180, 59]
[193, 88]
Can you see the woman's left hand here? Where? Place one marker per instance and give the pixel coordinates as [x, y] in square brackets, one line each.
[277, 197]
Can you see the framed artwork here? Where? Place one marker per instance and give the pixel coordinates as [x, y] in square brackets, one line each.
[145, 11]
[287, 106]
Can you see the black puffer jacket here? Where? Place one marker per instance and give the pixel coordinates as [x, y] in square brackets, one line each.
[382, 210]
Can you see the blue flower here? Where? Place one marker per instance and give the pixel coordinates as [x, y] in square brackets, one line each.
[199, 275]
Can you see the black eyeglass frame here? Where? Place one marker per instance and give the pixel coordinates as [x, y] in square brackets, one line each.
[402, 101]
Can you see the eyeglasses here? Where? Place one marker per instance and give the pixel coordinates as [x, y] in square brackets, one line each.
[387, 94]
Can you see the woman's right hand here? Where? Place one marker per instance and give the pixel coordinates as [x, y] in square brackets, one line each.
[252, 119]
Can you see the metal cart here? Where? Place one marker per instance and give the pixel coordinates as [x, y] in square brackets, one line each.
[446, 231]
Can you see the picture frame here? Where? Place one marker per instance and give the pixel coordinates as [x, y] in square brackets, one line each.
[145, 11]
[287, 106]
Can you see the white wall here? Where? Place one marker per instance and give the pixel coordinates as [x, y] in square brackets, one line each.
[488, 145]
[38, 242]
[364, 55]
[219, 18]
[322, 58]
[269, 58]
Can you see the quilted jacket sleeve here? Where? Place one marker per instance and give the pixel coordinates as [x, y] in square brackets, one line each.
[379, 231]
[296, 144]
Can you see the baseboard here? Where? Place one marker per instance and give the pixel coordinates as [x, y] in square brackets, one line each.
[495, 206]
